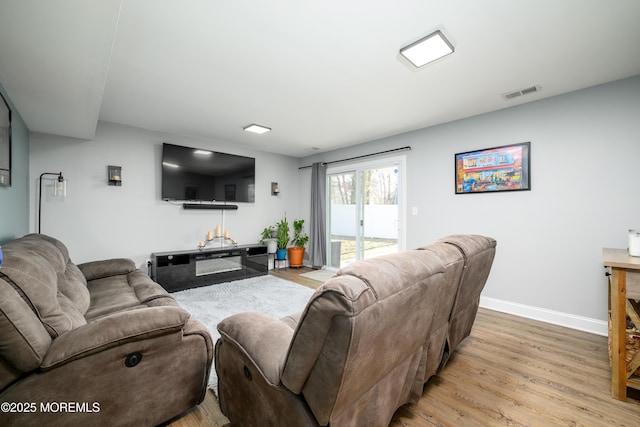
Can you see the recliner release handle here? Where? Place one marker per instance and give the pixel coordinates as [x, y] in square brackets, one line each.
[133, 359]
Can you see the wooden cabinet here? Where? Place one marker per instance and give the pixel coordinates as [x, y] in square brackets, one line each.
[624, 318]
[180, 270]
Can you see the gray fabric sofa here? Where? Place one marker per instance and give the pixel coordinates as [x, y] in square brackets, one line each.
[98, 343]
[367, 341]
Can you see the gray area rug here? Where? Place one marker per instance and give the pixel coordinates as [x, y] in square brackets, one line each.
[265, 294]
[320, 275]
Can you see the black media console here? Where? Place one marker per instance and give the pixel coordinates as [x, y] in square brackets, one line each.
[180, 270]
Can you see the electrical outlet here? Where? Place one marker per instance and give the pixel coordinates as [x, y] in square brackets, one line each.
[147, 262]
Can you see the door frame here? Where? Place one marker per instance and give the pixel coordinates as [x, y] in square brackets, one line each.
[355, 166]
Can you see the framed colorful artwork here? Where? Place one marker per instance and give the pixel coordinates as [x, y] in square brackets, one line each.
[490, 170]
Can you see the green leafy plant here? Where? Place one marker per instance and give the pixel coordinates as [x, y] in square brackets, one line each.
[283, 232]
[266, 235]
[300, 238]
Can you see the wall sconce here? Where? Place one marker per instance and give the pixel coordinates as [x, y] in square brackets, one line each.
[58, 191]
[114, 175]
[275, 190]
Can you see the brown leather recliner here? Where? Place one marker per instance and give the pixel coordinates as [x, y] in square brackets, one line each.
[95, 344]
[357, 352]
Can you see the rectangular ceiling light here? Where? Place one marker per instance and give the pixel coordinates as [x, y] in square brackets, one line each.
[257, 128]
[428, 49]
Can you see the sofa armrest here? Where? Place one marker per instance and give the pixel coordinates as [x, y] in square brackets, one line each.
[114, 330]
[106, 268]
[264, 338]
[292, 320]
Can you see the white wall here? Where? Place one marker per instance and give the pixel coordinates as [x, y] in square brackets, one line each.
[97, 221]
[585, 149]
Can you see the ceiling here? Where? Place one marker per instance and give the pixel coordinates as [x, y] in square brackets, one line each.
[322, 74]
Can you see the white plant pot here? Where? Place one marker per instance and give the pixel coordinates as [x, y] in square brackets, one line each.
[272, 246]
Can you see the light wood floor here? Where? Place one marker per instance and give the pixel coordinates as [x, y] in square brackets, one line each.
[511, 371]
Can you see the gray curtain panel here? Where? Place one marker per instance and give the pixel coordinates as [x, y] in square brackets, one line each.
[318, 226]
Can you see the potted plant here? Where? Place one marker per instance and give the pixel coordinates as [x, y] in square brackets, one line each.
[269, 237]
[300, 238]
[283, 238]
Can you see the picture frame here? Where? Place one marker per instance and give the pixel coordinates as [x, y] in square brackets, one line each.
[493, 170]
[5, 143]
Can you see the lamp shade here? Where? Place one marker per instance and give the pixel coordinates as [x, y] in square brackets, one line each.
[58, 191]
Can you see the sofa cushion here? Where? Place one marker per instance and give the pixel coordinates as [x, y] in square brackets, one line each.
[105, 268]
[71, 281]
[55, 242]
[71, 311]
[73, 285]
[23, 339]
[147, 290]
[46, 248]
[109, 295]
[34, 275]
[124, 292]
[388, 274]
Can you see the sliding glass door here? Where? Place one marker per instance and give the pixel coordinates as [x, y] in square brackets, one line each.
[341, 218]
[364, 211]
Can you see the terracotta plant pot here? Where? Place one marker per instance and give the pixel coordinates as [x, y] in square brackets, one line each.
[295, 256]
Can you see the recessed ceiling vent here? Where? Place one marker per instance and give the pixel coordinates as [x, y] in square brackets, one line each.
[520, 92]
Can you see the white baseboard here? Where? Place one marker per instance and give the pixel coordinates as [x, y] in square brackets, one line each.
[572, 321]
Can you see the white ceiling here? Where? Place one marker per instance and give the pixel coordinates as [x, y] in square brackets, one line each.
[324, 74]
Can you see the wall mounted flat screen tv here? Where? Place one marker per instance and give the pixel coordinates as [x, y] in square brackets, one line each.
[193, 174]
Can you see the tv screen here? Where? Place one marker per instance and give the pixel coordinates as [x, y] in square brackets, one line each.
[193, 174]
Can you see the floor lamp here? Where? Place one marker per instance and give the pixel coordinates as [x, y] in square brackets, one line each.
[59, 188]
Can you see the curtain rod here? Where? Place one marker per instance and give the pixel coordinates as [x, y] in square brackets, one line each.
[408, 147]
